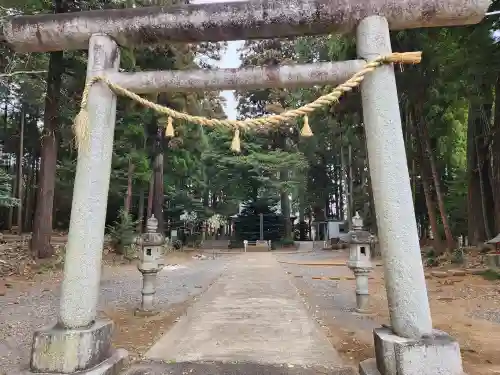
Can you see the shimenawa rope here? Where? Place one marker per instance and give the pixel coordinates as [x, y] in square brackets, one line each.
[81, 124]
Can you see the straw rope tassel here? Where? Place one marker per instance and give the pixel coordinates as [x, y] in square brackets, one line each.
[306, 129]
[82, 126]
[169, 130]
[235, 144]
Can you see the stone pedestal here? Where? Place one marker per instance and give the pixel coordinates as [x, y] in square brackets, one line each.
[57, 350]
[150, 255]
[436, 354]
[493, 261]
[148, 293]
[362, 292]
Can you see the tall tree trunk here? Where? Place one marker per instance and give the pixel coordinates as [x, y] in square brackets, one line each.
[128, 196]
[484, 185]
[350, 197]
[429, 201]
[284, 194]
[302, 211]
[343, 181]
[412, 124]
[413, 179]
[151, 193]
[426, 145]
[13, 174]
[28, 221]
[42, 225]
[495, 158]
[140, 211]
[11, 170]
[20, 171]
[6, 116]
[479, 111]
[285, 207]
[158, 199]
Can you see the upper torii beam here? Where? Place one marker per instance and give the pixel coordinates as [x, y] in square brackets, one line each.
[230, 21]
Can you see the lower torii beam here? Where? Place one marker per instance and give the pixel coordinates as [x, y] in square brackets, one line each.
[250, 78]
[230, 21]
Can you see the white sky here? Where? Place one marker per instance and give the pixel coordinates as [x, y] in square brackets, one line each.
[230, 59]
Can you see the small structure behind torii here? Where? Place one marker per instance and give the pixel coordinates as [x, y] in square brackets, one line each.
[80, 342]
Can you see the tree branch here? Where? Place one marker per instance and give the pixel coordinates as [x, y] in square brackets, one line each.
[22, 72]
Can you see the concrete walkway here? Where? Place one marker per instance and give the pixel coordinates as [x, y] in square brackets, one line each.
[251, 321]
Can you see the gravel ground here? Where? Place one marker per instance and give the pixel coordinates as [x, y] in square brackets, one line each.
[330, 301]
[23, 312]
[492, 315]
[465, 307]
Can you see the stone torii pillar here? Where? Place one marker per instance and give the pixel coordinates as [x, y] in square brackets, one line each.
[410, 346]
[80, 342]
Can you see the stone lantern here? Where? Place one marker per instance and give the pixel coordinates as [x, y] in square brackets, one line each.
[150, 256]
[360, 242]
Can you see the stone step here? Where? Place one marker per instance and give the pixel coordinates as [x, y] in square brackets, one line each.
[257, 249]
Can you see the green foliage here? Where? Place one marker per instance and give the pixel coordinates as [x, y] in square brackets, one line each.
[286, 243]
[458, 257]
[6, 199]
[247, 225]
[431, 262]
[236, 244]
[122, 232]
[491, 275]
[177, 244]
[202, 176]
[430, 257]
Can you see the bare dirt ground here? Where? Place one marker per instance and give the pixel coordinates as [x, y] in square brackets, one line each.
[466, 307]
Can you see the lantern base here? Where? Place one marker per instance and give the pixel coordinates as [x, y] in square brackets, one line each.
[437, 353]
[60, 350]
[141, 313]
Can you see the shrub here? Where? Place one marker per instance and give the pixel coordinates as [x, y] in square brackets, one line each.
[287, 242]
[491, 275]
[457, 257]
[122, 233]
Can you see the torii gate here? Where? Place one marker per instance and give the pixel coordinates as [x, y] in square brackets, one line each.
[81, 343]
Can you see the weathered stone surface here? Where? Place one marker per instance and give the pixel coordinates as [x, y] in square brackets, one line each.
[475, 271]
[82, 265]
[437, 353]
[457, 272]
[225, 368]
[397, 228]
[111, 366]
[236, 320]
[493, 261]
[249, 78]
[230, 21]
[368, 367]
[439, 274]
[61, 350]
[145, 313]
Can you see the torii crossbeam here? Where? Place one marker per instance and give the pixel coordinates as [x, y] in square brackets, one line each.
[81, 343]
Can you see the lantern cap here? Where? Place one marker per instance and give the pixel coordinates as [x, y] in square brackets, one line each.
[357, 222]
